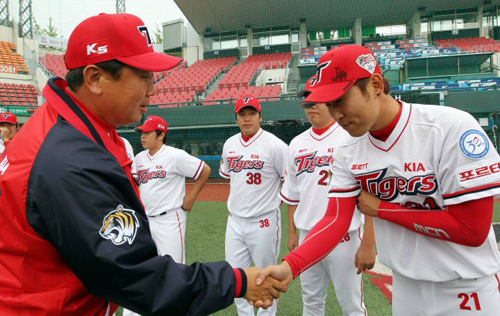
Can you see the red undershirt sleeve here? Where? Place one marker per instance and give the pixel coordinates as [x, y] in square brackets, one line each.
[325, 236]
[466, 223]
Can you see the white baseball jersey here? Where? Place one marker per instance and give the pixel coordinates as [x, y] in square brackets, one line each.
[435, 156]
[308, 174]
[128, 147]
[2, 146]
[161, 178]
[255, 169]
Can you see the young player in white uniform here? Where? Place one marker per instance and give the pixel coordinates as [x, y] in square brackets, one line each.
[305, 190]
[428, 173]
[9, 126]
[129, 148]
[254, 161]
[161, 172]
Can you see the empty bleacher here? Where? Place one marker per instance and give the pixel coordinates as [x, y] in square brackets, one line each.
[55, 64]
[455, 85]
[194, 78]
[18, 94]
[11, 61]
[471, 44]
[267, 93]
[393, 55]
[311, 55]
[241, 75]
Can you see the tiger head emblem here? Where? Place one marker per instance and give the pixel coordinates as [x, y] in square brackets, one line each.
[120, 226]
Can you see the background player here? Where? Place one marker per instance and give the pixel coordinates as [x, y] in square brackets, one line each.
[434, 173]
[8, 129]
[161, 172]
[254, 161]
[305, 191]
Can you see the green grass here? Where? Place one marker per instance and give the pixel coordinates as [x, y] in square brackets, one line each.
[496, 214]
[206, 227]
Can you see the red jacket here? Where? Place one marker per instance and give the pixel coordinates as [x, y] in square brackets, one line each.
[73, 232]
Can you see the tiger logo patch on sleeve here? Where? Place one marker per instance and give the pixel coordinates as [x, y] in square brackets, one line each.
[120, 226]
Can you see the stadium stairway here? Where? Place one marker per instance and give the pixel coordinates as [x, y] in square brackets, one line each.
[215, 84]
[293, 76]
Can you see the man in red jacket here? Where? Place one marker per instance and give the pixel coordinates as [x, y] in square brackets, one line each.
[74, 236]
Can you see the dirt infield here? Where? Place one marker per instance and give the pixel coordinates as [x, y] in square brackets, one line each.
[212, 192]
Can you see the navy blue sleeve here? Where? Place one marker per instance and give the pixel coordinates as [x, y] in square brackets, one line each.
[81, 200]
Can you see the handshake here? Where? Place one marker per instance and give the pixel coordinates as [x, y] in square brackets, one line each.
[265, 285]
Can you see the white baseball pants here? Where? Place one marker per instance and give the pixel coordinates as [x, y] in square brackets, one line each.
[256, 239]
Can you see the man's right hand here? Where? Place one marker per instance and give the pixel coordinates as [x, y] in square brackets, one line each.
[293, 241]
[262, 294]
[282, 272]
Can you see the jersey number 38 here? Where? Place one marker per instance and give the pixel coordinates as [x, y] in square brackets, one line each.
[254, 178]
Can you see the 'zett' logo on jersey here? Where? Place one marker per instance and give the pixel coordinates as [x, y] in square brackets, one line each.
[143, 176]
[309, 162]
[235, 164]
[389, 188]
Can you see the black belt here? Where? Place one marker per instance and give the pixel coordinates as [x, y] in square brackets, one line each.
[158, 215]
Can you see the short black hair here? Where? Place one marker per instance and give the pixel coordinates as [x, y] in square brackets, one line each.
[158, 133]
[74, 77]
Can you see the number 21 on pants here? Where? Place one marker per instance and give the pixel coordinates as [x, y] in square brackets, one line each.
[465, 305]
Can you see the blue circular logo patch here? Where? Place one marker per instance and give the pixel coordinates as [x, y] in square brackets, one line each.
[474, 144]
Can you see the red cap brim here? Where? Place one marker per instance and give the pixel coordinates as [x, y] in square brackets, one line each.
[247, 106]
[330, 92]
[145, 128]
[302, 93]
[151, 61]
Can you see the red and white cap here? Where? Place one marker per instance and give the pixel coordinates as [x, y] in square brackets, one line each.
[153, 123]
[339, 69]
[310, 85]
[123, 37]
[247, 100]
[8, 117]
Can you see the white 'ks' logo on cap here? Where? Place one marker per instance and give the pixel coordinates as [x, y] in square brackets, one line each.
[100, 50]
[247, 99]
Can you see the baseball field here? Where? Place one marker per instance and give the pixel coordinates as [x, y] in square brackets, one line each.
[206, 226]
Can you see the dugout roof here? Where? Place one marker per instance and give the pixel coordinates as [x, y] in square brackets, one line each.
[235, 15]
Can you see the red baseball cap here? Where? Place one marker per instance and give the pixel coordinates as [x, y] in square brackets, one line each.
[153, 123]
[123, 37]
[247, 100]
[304, 93]
[8, 117]
[339, 69]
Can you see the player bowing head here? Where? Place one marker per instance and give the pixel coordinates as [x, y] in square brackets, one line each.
[305, 191]
[417, 169]
[351, 83]
[153, 133]
[248, 115]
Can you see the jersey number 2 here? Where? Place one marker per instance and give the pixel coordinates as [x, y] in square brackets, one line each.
[324, 177]
[254, 178]
[465, 298]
